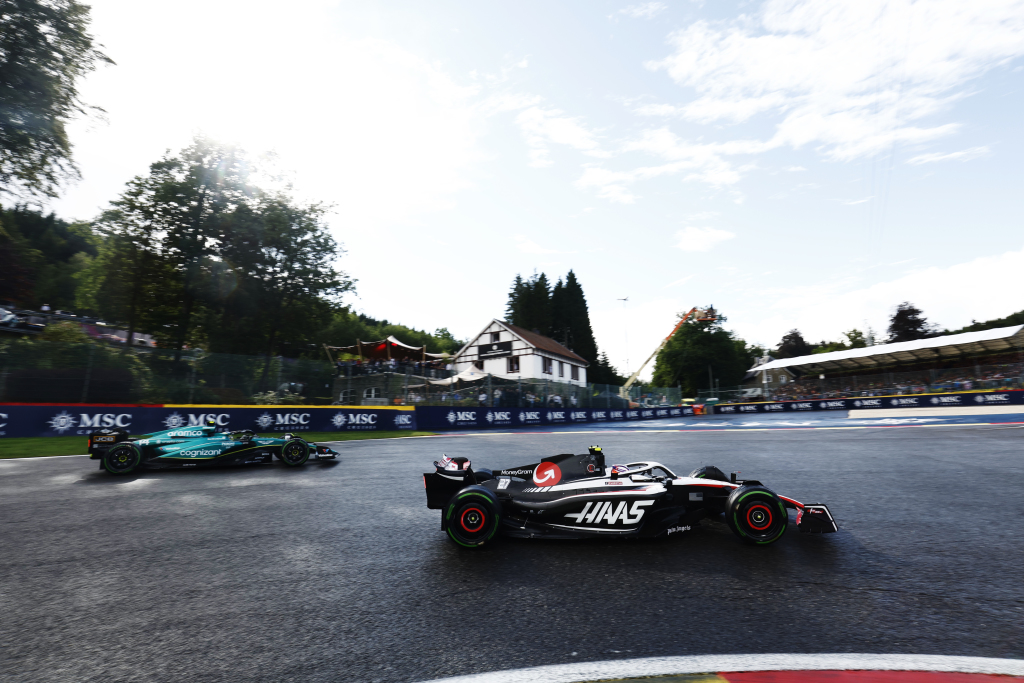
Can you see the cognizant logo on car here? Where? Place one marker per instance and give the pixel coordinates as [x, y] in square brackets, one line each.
[201, 453]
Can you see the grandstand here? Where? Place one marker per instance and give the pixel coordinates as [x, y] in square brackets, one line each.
[971, 361]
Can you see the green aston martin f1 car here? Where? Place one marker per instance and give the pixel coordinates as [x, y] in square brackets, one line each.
[201, 446]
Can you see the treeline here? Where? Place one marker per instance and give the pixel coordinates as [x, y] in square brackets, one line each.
[907, 323]
[703, 355]
[197, 255]
[560, 312]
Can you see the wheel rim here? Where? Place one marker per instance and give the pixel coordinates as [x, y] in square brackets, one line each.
[472, 519]
[759, 517]
[122, 459]
[294, 452]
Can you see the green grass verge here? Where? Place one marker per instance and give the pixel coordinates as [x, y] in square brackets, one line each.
[41, 446]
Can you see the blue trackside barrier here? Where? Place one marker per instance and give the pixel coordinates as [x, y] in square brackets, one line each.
[444, 418]
[989, 398]
[81, 419]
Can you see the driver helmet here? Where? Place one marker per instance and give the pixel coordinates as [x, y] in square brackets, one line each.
[619, 469]
[210, 422]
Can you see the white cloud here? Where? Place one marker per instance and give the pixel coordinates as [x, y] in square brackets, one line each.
[679, 281]
[982, 289]
[542, 127]
[962, 155]
[854, 202]
[693, 238]
[528, 246]
[852, 76]
[645, 10]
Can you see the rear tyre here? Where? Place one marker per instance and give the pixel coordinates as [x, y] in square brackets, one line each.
[709, 472]
[471, 517]
[124, 458]
[755, 514]
[295, 452]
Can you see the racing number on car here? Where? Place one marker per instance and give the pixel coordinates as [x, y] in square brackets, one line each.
[547, 474]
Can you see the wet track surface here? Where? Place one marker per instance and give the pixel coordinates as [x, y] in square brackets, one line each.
[340, 573]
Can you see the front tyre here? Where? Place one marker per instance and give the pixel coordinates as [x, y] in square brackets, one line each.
[123, 458]
[471, 518]
[295, 452]
[755, 514]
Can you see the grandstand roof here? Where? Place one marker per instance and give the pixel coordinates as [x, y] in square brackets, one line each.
[918, 351]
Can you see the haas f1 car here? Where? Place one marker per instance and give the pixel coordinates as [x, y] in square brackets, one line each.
[201, 446]
[576, 496]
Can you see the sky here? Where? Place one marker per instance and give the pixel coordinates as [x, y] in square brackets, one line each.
[797, 163]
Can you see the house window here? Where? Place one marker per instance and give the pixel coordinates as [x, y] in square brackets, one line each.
[574, 372]
[478, 364]
[768, 379]
[547, 366]
[561, 369]
[782, 379]
[495, 337]
[372, 392]
[513, 364]
[347, 396]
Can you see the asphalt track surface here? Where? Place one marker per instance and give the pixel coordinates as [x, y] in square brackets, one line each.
[340, 573]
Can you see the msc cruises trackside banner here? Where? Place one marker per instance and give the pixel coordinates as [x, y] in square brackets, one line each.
[81, 419]
[461, 417]
[990, 398]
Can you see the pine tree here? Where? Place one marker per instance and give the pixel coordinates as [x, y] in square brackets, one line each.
[907, 324]
[793, 345]
[580, 334]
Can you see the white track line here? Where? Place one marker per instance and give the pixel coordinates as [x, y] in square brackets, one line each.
[663, 666]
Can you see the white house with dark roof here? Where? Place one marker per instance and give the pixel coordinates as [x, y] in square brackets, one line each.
[505, 350]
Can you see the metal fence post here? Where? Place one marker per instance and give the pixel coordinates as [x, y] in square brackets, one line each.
[88, 374]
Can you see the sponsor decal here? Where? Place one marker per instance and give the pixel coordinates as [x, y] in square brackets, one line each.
[200, 453]
[555, 416]
[283, 421]
[547, 474]
[868, 403]
[529, 416]
[676, 529]
[647, 413]
[339, 420]
[607, 512]
[591, 468]
[176, 420]
[662, 413]
[748, 409]
[992, 398]
[403, 420]
[801, 406]
[775, 406]
[62, 422]
[614, 482]
[697, 495]
[832, 405]
[578, 415]
[3, 423]
[632, 414]
[499, 417]
[725, 409]
[903, 402]
[503, 483]
[599, 415]
[676, 411]
[519, 473]
[617, 415]
[945, 400]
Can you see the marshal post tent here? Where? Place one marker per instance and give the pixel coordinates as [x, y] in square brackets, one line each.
[387, 349]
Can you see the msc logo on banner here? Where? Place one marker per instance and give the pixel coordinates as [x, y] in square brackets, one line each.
[283, 421]
[462, 416]
[175, 421]
[64, 421]
[403, 420]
